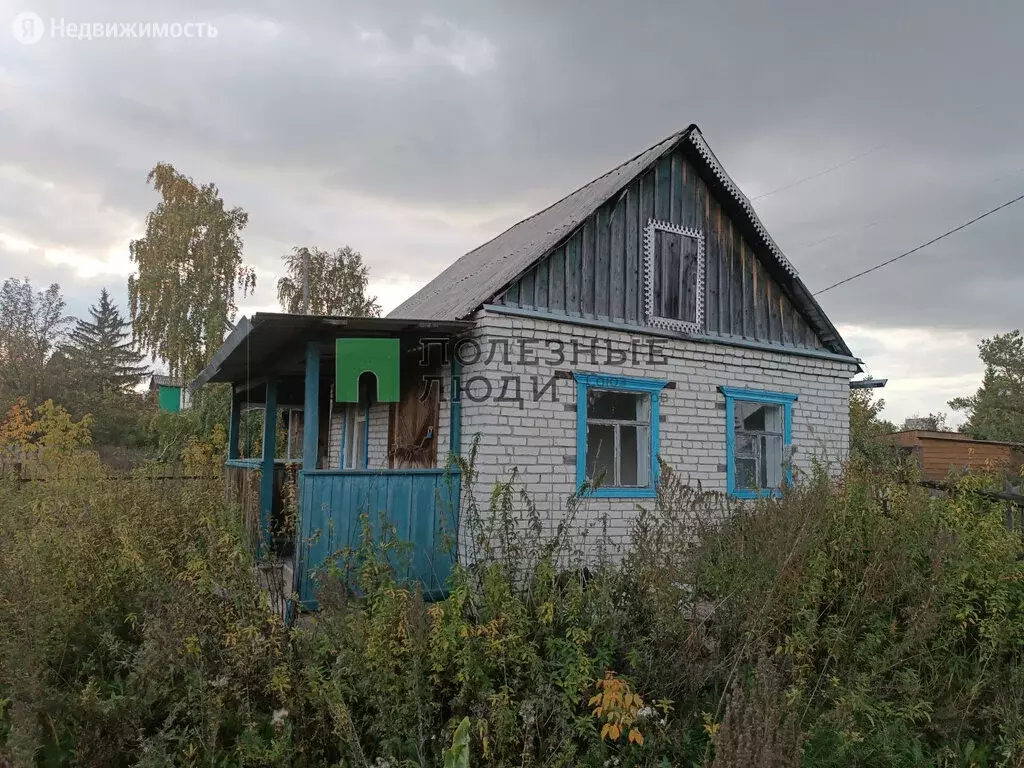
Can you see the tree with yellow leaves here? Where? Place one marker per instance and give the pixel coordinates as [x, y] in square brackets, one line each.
[47, 431]
[189, 266]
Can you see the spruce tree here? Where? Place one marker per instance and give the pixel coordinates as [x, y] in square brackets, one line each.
[102, 350]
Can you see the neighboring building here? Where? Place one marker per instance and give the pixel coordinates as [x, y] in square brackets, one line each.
[170, 395]
[647, 315]
[922, 423]
[940, 453]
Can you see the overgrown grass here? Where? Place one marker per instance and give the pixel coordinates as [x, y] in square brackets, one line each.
[853, 622]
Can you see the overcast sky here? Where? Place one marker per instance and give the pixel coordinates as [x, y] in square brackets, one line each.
[415, 130]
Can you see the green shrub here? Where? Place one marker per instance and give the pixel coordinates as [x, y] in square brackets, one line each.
[900, 613]
[858, 621]
[133, 630]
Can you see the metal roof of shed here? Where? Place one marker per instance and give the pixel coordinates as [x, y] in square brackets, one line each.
[162, 380]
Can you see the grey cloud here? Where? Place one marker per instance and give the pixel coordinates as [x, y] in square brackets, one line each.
[79, 294]
[414, 131]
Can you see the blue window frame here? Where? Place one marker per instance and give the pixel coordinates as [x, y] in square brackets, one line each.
[758, 438]
[617, 420]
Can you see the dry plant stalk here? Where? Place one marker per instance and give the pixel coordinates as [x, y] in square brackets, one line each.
[758, 731]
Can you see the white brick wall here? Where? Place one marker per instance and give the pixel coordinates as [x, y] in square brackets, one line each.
[334, 442]
[377, 448]
[377, 444]
[539, 439]
[444, 419]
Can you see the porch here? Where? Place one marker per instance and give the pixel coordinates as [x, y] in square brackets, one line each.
[420, 506]
[322, 447]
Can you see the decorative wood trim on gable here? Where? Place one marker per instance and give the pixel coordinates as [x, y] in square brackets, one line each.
[697, 140]
[654, 225]
[744, 295]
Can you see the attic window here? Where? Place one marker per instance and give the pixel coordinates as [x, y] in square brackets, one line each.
[674, 277]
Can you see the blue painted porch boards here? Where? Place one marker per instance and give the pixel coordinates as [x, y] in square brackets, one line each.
[422, 505]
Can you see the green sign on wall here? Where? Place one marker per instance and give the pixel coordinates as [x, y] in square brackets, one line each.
[354, 357]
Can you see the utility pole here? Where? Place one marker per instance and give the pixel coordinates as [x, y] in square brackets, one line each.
[305, 281]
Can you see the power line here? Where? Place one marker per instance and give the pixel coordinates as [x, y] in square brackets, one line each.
[845, 280]
[876, 222]
[819, 174]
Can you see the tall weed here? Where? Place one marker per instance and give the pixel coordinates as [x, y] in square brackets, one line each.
[858, 621]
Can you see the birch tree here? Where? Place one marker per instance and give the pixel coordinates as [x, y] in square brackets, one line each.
[337, 283]
[32, 326]
[190, 266]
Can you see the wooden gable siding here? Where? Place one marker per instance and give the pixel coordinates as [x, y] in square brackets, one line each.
[598, 272]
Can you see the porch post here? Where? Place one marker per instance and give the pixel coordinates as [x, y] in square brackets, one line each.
[269, 452]
[233, 422]
[310, 444]
[310, 415]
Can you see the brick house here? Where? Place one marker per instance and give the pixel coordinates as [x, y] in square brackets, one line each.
[647, 314]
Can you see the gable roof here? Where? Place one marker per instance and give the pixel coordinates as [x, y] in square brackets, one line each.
[477, 277]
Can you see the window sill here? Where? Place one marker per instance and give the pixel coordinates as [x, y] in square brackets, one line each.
[671, 324]
[772, 493]
[621, 493]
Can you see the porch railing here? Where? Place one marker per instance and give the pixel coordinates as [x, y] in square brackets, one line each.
[243, 489]
[422, 506]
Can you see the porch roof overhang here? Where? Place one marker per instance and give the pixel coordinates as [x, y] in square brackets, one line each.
[267, 342]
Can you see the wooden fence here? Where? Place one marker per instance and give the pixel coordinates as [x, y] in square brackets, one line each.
[1014, 502]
